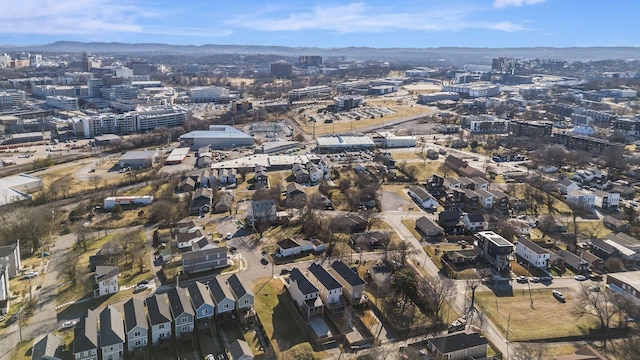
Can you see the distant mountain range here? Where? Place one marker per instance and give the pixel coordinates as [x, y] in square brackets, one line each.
[475, 55]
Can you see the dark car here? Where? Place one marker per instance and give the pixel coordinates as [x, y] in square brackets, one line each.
[264, 261]
[284, 271]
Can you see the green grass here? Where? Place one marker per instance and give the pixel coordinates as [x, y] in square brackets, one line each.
[276, 318]
[410, 224]
[548, 318]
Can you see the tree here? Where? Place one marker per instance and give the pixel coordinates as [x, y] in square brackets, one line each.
[546, 224]
[95, 181]
[69, 267]
[597, 304]
[628, 348]
[530, 351]
[614, 264]
[156, 238]
[138, 250]
[405, 283]
[437, 291]
[82, 236]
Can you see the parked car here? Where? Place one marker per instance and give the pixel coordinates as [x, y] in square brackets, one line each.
[284, 271]
[264, 261]
[68, 324]
[29, 275]
[522, 279]
[141, 287]
[595, 277]
[558, 295]
[546, 278]
[228, 236]
[534, 279]
[580, 277]
[594, 288]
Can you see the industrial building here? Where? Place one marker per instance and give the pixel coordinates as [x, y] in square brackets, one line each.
[17, 188]
[439, 96]
[111, 201]
[389, 140]
[347, 102]
[138, 159]
[218, 137]
[338, 143]
[312, 92]
[177, 156]
[209, 94]
[63, 102]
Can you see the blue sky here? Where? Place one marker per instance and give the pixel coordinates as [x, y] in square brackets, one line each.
[384, 24]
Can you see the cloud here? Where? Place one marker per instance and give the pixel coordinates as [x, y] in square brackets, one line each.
[506, 3]
[362, 18]
[90, 18]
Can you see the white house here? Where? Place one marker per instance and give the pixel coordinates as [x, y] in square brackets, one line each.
[353, 284]
[566, 186]
[186, 240]
[304, 294]
[10, 256]
[605, 199]
[221, 294]
[532, 252]
[474, 222]
[330, 288]
[521, 227]
[159, 318]
[422, 197]
[485, 198]
[316, 173]
[4, 290]
[289, 247]
[106, 281]
[582, 198]
[240, 350]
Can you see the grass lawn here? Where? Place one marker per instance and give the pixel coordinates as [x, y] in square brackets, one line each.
[595, 229]
[276, 318]
[547, 319]
[410, 224]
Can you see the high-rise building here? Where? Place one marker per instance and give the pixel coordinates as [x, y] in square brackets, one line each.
[86, 65]
[305, 61]
[281, 69]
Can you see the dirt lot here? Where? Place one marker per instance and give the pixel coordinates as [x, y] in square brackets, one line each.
[546, 318]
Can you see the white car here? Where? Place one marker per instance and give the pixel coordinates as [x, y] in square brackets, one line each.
[580, 277]
[29, 275]
[68, 324]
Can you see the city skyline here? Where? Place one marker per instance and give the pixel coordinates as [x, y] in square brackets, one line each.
[409, 23]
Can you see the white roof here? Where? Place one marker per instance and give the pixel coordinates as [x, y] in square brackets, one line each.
[10, 184]
[346, 141]
[623, 250]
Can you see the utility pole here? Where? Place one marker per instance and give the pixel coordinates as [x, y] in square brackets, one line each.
[507, 337]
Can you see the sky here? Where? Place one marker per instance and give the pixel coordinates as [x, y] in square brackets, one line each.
[325, 24]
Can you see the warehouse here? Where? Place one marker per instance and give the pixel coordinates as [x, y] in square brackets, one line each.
[138, 159]
[218, 137]
[177, 156]
[339, 143]
[390, 140]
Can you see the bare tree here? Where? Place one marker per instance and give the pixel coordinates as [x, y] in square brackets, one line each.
[530, 351]
[83, 236]
[597, 304]
[628, 348]
[69, 267]
[138, 251]
[95, 181]
[437, 291]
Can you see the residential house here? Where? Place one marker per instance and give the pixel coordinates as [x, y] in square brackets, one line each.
[203, 244]
[222, 297]
[474, 222]
[521, 227]
[380, 274]
[98, 260]
[458, 346]
[372, 239]
[603, 249]
[135, 324]
[462, 167]
[480, 183]
[261, 176]
[466, 183]
[241, 293]
[500, 200]
[428, 227]
[453, 199]
[295, 195]
[422, 197]
[606, 199]
[201, 201]
[461, 256]
[85, 337]
[452, 183]
[240, 350]
[623, 241]
[450, 222]
[50, 347]
[185, 241]
[159, 318]
[187, 226]
[202, 260]
[10, 256]
[289, 247]
[227, 176]
[224, 201]
[494, 248]
[111, 334]
[4, 290]
[202, 303]
[262, 211]
[626, 283]
[595, 263]
[352, 284]
[582, 198]
[304, 294]
[435, 185]
[300, 174]
[348, 224]
[181, 311]
[532, 253]
[485, 198]
[316, 172]
[187, 183]
[470, 199]
[578, 264]
[213, 178]
[330, 289]
[565, 186]
[106, 281]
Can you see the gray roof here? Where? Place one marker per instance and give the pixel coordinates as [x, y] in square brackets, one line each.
[139, 155]
[457, 341]
[179, 302]
[426, 224]
[320, 273]
[475, 217]
[237, 287]
[134, 314]
[50, 346]
[304, 285]
[347, 273]
[111, 327]
[200, 295]
[624, 240]
[7, 250]
[420, 192]
[238, 348]
[86, 333]
[216, 132]
[532, 246]
[105, 272]
[158, 309]
[219, 292]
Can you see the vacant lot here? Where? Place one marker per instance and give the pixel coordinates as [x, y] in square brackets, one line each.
[546, 318]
